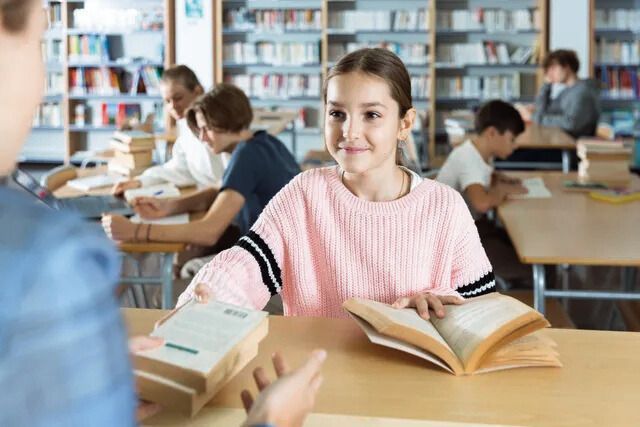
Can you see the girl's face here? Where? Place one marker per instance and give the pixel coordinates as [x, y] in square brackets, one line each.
[178, 98]
[21, 84]
[362, 125]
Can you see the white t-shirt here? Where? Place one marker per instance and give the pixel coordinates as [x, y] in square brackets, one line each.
[415, 178]
[192, 163]
[464, 167]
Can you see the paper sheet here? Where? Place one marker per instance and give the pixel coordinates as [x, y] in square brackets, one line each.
[161, 191]
[92, 182]
[536, 187]
[170, 220]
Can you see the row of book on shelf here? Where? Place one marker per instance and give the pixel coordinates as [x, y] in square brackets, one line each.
[277, 86]
[114, 81]
[99, 48]
[505, 86]
[410, 53]
[244, 19]
[486, 52]
[52, 50]
[54, 83]
[142, 17]
[617, 19]
[287, 86]
[619, 52]
[618, 82]
[490, 20]
[107, 114]
[272, 53]
[380, 20]
[48, 114]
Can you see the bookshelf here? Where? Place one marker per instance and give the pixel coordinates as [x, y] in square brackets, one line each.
[485, 49]
[103, 62]
[280, 51]
[615, 63]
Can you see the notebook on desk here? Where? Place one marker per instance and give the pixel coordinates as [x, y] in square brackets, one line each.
[85, 206]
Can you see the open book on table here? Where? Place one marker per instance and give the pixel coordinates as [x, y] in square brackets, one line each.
[205, 345]
[486, 333]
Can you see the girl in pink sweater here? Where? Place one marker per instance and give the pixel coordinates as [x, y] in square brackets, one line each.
[366, 228]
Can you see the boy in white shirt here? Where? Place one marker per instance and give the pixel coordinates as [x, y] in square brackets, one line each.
[469, 167]
[192, 162]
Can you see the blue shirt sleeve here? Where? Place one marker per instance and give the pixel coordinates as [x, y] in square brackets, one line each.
[63, 352]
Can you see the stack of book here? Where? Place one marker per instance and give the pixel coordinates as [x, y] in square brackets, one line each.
[133, 152]
[604, 162]
[196, 362]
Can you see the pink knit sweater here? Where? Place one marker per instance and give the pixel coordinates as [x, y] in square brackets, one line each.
[317, 245]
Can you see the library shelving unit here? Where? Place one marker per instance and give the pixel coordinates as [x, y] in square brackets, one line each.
[47, 140]
[104, 61]
[615, 57]
[272, 50]
[484, 49]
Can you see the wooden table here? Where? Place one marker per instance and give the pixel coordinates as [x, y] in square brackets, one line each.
[572, 228]
[538, 137]
[598, 385]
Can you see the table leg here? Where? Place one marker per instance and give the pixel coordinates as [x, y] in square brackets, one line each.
[167, 281]
[566, 161]
[538, 287]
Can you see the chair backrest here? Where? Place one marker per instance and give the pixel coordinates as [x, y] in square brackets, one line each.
[57, 177]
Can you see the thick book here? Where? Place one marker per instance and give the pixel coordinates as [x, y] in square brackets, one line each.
[487, 333]
[205, 346]
[135, 160]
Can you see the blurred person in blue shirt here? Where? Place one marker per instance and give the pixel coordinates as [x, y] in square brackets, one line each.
[63, 346]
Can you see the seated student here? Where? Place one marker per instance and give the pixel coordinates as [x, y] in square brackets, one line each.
[259, 167]
[469, 167]
[367, 227]
[192, 163]
[63, 355]
[564, 100]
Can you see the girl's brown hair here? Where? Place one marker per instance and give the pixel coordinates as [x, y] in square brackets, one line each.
[14, 14]
[225, 107]
[380, 63]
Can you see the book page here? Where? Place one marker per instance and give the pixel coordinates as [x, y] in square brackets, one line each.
[536, 189]
[534, 349]
[198, 335]
[405, 325]
[481, 322]
[386, 341]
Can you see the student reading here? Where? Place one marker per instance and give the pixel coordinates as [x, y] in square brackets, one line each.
[368, 227]
[259, 167]
[63, 355]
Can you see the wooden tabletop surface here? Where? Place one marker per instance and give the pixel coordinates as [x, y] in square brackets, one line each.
[598, 385]
[541, 137]
[571, 227]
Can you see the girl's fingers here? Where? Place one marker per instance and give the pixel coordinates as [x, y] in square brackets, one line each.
[401, 303]
[436, 305]
[422, 306]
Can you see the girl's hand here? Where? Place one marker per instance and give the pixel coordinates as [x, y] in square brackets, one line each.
[425, 301]
[119, 228]
[151, 207]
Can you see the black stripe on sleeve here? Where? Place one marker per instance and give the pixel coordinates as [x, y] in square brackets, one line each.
[483, 285]
[271, 274]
